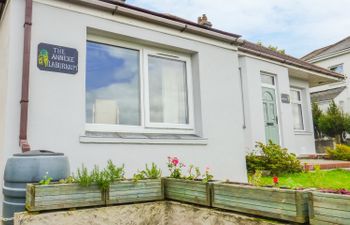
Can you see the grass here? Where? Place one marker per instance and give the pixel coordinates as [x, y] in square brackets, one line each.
[326, 179]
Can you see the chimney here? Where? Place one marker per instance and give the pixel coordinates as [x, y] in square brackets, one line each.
[203, 21]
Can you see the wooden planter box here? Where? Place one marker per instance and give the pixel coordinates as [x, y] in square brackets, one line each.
[61, 196]
[283, 204]
[188, 191]
[129, 191]
[326, 208]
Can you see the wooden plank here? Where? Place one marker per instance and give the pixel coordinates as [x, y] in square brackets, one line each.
[289, 205]
[329, 220]
[259, 212]
[188, 191]
[256, 195]
[250, 202]
[186, 198]
[60, 196]
[131, 191]
[334, 213]
[331, 203]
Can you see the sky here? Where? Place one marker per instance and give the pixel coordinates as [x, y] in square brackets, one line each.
[298, 26]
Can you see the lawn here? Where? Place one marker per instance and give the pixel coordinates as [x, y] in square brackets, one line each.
[328, 179]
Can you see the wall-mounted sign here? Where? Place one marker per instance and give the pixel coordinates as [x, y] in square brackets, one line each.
[285, 98]
[57, 58]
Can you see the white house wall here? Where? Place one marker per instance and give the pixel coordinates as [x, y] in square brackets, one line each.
[299, 143]
[343, 98]
[57, 101]
[14, 22]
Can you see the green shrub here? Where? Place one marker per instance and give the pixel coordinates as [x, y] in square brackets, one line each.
[341, 152]
[273, 158]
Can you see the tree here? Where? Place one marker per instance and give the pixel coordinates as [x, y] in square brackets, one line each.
[273, 48]
[316, 115]
[334, 122]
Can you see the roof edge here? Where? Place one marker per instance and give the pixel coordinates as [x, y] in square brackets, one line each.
[289, 62]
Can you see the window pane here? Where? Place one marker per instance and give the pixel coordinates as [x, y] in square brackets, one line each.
[298, 117]
[337, 69]
[112, 85]
[295, 96]
[267, 79]
[167, 91]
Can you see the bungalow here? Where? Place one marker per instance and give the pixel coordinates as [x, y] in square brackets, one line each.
[102, 79]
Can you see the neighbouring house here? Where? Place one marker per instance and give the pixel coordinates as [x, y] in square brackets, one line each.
[335, 57]
[101, 80]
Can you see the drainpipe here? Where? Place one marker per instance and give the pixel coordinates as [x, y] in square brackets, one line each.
[23, 141]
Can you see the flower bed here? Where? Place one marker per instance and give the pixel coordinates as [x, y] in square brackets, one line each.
[129, 191]
[277, 203]
[329, 208]
[190, 191]
[61, 196]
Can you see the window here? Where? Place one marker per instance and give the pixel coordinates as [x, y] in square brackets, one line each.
[297, 107]
[267, 79]
[337, 68]
[137, 88]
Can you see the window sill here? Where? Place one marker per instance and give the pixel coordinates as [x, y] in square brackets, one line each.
[302, 132]
[141, 138]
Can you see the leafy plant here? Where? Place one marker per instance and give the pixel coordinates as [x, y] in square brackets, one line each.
[149, 173]
[68, 180]
[255, 179]
[175, 167]
[341, 152]
[272, 157]
[46, 179]
[207, 176]
[334, 122]
[101, 178]
[84, 178]
[152, 173]
[316, 115]
[115, 173]
[193, 173]
[140, 175]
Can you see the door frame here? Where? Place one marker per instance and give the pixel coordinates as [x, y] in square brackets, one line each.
[274, 87]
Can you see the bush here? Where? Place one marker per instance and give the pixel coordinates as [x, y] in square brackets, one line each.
[273, 158]
[341, 152]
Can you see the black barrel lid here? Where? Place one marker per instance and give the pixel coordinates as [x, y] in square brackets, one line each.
[38, 153]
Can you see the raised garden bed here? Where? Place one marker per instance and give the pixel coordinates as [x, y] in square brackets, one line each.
[329, 208]
[190, 191]
[129, 191]
[277, 203]
[61, 196]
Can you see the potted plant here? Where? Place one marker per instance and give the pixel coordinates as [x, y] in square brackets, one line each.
[329, 207]
[80, 191]
[193, 188]
[145, 186]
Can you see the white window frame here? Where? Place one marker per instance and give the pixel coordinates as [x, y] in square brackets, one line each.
[301, 103]
[145, 125]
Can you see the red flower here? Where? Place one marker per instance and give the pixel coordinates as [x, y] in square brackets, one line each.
[175, 161]
[275, 180]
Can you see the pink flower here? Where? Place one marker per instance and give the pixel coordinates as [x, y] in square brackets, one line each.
[175, 161]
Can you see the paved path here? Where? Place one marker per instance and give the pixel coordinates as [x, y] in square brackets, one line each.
[324, 164]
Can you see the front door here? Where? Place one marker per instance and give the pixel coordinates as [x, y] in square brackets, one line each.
[270, 115]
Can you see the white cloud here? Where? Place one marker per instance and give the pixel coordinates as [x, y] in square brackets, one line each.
[299, 26]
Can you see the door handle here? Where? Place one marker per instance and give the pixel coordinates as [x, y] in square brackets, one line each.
[269, 124]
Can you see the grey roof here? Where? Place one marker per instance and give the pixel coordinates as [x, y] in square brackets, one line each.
[326, 95]
[325, 51]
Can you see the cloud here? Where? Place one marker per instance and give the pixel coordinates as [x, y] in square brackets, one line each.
[299, 26]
